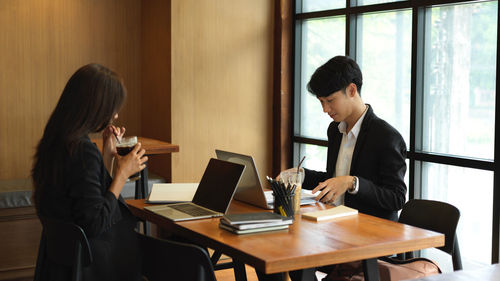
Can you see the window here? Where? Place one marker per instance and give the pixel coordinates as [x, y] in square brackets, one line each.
[430, 71]
[459, 79]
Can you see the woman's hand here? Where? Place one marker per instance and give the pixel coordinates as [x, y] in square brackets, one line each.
[127, 165]
[109, 136]
[131, 163]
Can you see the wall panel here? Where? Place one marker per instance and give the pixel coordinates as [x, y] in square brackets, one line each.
[221, 82]
[155, 78]
[42, 43]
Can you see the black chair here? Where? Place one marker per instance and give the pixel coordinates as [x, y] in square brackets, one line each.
[64, 244]
[170, 260]
[436, 216]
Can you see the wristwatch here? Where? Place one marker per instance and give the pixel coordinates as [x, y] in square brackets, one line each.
[354, 189]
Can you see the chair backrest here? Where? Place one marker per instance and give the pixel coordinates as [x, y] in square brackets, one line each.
[436, 216]
[66, 244]
[170, 260]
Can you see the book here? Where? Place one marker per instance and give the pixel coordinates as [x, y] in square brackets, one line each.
[163, 193]
[244, 226]
[256, 217]
[335, 212]
[253, 230]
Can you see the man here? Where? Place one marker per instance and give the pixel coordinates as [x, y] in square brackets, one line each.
[366, 156]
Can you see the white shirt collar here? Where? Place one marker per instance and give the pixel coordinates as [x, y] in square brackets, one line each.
[356, 128]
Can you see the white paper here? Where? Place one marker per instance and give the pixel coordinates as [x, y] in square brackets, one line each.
[172, 192]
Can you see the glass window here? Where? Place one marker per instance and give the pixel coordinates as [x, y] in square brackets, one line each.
[322, 39]
[319, 5]
[470, 190]
[370, 2]
[384, 56]
[315, 156]
[459, 79]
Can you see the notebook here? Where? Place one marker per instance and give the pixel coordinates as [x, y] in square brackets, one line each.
[335, 212]
[212, 197]
[250, 189]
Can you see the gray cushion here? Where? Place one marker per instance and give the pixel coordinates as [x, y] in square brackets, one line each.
[18, 192]
[15, 193]
[128, 190]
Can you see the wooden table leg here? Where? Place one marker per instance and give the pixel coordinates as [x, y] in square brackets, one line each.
[141, 191]
[308, 274]
[370, 270]
[240, 273]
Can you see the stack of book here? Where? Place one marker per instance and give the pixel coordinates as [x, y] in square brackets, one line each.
[254, 222]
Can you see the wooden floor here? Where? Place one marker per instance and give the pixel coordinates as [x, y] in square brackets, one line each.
[228, 274]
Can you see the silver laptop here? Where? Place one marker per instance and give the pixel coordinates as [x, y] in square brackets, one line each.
[212, 197]
[250, 189]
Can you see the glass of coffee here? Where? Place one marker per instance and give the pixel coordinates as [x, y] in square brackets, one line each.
[292, 178]
[124, 147]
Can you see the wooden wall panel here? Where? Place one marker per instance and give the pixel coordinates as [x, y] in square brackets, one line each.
[155, 62]
[20, 233]
[42, 43]
[221, 82]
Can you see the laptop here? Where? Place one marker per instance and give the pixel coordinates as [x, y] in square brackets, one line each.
[250, 189]
[212, 197]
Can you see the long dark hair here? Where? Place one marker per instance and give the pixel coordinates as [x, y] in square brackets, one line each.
[90, 99]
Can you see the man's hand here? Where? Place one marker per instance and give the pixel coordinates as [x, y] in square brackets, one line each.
[332, 188]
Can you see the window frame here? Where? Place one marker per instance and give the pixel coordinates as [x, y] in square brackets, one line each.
[415, 155]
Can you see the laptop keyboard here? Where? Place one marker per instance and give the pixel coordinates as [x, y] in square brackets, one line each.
[192, 210]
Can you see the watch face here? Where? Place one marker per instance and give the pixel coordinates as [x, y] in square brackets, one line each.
[354, 183]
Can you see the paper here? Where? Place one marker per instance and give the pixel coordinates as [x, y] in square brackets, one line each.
[172, 192]
[335, 212]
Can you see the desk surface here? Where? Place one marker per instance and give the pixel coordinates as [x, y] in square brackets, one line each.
[151, 146]
[306, 244]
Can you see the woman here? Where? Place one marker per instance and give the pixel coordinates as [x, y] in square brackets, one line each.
[72, 178]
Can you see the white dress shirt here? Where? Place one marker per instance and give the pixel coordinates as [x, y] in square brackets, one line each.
[344, 159]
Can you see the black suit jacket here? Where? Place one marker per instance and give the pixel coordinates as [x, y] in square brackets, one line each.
[378, 161]
[84, 199]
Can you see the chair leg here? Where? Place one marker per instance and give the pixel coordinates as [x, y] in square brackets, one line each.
[456, 257]
[77, 265]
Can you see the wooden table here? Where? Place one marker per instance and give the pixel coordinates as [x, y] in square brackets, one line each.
[306, 244]
[487, 273]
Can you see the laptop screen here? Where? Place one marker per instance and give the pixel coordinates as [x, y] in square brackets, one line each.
[217, 186]
[249, 179]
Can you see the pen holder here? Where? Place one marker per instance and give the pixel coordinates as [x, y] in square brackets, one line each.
[284, 205]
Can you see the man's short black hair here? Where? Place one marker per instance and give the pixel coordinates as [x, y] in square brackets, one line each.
[336, 74]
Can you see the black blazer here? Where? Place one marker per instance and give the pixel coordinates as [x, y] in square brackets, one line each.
[84, 199]
[378, 161]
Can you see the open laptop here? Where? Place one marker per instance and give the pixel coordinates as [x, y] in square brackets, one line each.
[212, 197]
[250, 189]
